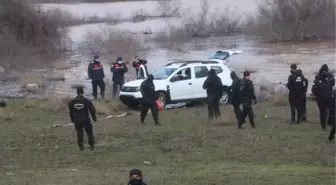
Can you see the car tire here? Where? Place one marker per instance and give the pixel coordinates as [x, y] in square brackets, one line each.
[225, 98]
[163, 99]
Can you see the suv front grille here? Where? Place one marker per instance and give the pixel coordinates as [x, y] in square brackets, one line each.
[129, 89]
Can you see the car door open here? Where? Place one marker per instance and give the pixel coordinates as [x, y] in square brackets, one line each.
[201, 73]
[180, 85]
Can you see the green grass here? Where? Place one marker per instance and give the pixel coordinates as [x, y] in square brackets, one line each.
[186, 150]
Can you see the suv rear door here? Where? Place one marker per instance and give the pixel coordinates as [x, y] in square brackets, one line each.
[200, 73]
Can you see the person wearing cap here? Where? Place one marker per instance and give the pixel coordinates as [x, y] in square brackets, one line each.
[79, 109]
[246, 95]
[97, 75]
[213, 86]
[303, 96]
[118, 69]
[148, 101]
[137, 63]
[323, 89]
[135, 178]
[295, 85]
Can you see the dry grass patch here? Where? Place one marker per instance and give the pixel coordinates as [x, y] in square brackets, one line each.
[279, 99]
[6, 115]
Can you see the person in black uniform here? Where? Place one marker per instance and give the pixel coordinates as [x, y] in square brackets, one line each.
[79, 108]
[303, 101]
[148, 101]
[118, 69]
[246, 96]
[135, 178]
[295, 87]
[322, 90]
[137, 63]
[331, 119]
[213, 85]
[235, 95]
[96, 74]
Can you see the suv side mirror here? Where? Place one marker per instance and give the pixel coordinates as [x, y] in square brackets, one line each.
[174, 79]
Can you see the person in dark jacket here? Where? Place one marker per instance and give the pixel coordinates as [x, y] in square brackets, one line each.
[303, 101]
[148, 101]
[322, 90]
[135, 178]
[79, 109]
[118, 69]
[96, 74]
[246, 96]
[295, 87]
[331, 119]
[235, 95]
[213, 85]
[136, 64]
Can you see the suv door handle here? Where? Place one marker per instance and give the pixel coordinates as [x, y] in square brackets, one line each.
[189, 83]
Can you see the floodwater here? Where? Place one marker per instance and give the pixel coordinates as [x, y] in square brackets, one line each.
[269, 63]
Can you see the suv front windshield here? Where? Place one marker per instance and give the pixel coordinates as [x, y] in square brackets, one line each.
[220, 55]
[163, 73]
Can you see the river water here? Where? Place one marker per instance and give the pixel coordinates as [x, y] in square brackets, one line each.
[268, 62]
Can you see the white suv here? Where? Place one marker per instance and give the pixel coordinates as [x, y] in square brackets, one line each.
[178, 82]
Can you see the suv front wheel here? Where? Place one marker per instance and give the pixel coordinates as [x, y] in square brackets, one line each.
[225, 98]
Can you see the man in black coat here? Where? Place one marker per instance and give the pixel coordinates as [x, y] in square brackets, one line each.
[118, 69]
[322, 89]
[148, 101]
[246, 96]
[96, 74]
[303, 96]
[235, 95]
[213, 85]
[79, 109]
[295, 87]
[331, 120]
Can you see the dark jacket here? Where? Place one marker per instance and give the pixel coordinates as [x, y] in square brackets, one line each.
[147, 89]
[235, 88]
[213, 85]
[246, 92]
[119, 71]
[79, 110]
[295, 84]
[96, 71]
[138, 63]
[322, 87]
[331, 119]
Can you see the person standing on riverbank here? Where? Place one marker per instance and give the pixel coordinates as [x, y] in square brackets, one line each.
[303, 97]
[118, 69]
[97, 75]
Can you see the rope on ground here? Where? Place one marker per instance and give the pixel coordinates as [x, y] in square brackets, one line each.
[104, 118]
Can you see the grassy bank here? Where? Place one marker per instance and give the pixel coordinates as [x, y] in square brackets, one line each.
[185, 150]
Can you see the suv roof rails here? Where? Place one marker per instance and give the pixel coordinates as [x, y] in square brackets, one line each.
[184, 63]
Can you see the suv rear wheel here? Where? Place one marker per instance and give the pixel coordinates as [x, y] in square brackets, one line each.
[225, 98]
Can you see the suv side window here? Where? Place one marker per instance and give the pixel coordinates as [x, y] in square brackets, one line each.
[201, 71]
[218, 69]
[183, 74]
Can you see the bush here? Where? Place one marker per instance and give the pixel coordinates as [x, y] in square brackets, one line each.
[288, 20]
[168, 8]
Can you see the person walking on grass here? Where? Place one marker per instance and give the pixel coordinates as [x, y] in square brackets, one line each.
[148, 101]
[246, 96]
[235, 95]
[96, 74]
[303, 96]
[213, 86]
[79, 109]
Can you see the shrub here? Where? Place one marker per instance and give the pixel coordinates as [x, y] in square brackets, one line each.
[288, 20]
[168, 8]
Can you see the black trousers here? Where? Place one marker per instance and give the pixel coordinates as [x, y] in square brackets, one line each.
[213, 106]
[332, 132]
[101, 85]
[145, 106]
[237, 111]
[323, 106]
[304, 108]
[296, 107]
[116, 85]
[247, 111]
[87, 126]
